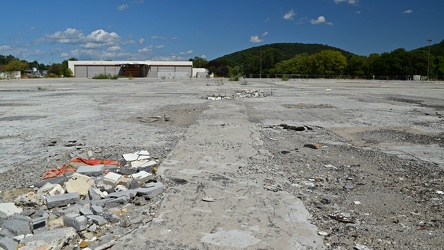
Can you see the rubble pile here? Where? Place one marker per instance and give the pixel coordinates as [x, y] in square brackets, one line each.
[86, 203]
[250, 93]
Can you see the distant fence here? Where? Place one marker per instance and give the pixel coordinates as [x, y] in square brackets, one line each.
[307, 76]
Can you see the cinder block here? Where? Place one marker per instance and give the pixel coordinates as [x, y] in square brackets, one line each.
[38, 222]
[78, 222]
[96, 170]
[151, 192]
[62, 200]
[97, 219]
[125, 180]
[111, 178]
[97, 210]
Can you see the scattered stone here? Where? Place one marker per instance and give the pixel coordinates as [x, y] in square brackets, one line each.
[322, 233]
[312, 145]
[18, 224]
[52, 239]
[30, 199]
[62, 200]
[79, 183]
[208, 199]
[151, 192]
[76, 221]
[9, 209]
[362, 247]
[96, 170]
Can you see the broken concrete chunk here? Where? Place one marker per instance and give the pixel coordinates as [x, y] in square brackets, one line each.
[9, 209]
[143, 164]
[62, 200]
[55, 180]
[30, 199]
[139, 155]
[53, 239]
[151, 192]
[97, 210]
[38, 222]
[57, 190]
[125, 180]
[95, 193]
[78, 222]
[142, 176]
[97, 219]
[111, 178]
[79, 183]
[96, 170]
[18, 224]
[8, 243]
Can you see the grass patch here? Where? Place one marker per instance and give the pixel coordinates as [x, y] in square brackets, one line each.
[105, 76]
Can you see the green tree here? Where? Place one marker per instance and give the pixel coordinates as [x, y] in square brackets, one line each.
[357, 65]
[327, 62]
[199, 62]
[17, 65]
[296, 65]
[235, 73]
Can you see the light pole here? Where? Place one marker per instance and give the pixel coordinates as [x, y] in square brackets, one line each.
[428, 60]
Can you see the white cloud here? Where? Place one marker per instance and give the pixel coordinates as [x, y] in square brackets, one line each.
[123, 7]
[114, 48]
[103, 37]
[408, 12]
[348, 1]
[255, 39]
[5, 47]
[320, 20]
[160, 46]
[145, 50]
[265, 34]
[141, 41]
[289, 15]
[70, 35]
[158, 38]
[186, 53]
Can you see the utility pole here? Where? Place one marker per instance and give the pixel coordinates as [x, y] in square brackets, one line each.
[428, 61]
[260, 70]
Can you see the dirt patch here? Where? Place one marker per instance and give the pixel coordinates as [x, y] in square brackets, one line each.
[307, 106]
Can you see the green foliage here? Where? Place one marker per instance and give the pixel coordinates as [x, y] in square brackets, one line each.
[234, 73]
[105, 76]
[285, 77]
[198, 62]
[16, 65]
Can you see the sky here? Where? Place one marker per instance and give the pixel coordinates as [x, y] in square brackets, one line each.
[51, 31]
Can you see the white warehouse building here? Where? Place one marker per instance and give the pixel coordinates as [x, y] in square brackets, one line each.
[151, 69]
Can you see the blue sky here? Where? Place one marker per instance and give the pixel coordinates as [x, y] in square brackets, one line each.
[55, 30]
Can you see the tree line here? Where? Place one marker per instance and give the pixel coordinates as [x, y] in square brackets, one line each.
[10, 63]
[322, 60]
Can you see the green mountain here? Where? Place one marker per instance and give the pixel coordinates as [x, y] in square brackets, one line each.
[263, 58]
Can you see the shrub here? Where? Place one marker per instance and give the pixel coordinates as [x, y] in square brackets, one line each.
[285, 77]
[105, 76]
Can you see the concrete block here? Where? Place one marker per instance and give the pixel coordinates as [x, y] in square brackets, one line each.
[96, 170]
[18, 224]
[86, 211]
[56, 180]
[38, 222]
[53, 239]
[125, 180]
[62, 200]
[97, 219]
[151, 192]
[9, 209]
[110, 202]
[30, 199]
[143, 164]
[78, 222]
[95, 193]
[128, 193]
[8, 243]
[97, 210]
[79, 183]
[142, 176]
[111, 178]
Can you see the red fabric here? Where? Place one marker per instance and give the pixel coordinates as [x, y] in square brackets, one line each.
[65, 168]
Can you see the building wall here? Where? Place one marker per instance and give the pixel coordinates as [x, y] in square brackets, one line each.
[151, 69]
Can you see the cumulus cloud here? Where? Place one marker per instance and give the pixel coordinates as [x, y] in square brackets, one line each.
[408, 12]
[348, 1]
[186, 53]
[289, 15]
[95, 39]
[158, 38]
[123, 7]
[320, 20]
[255, 39]
[141, 41]
[114, 48]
